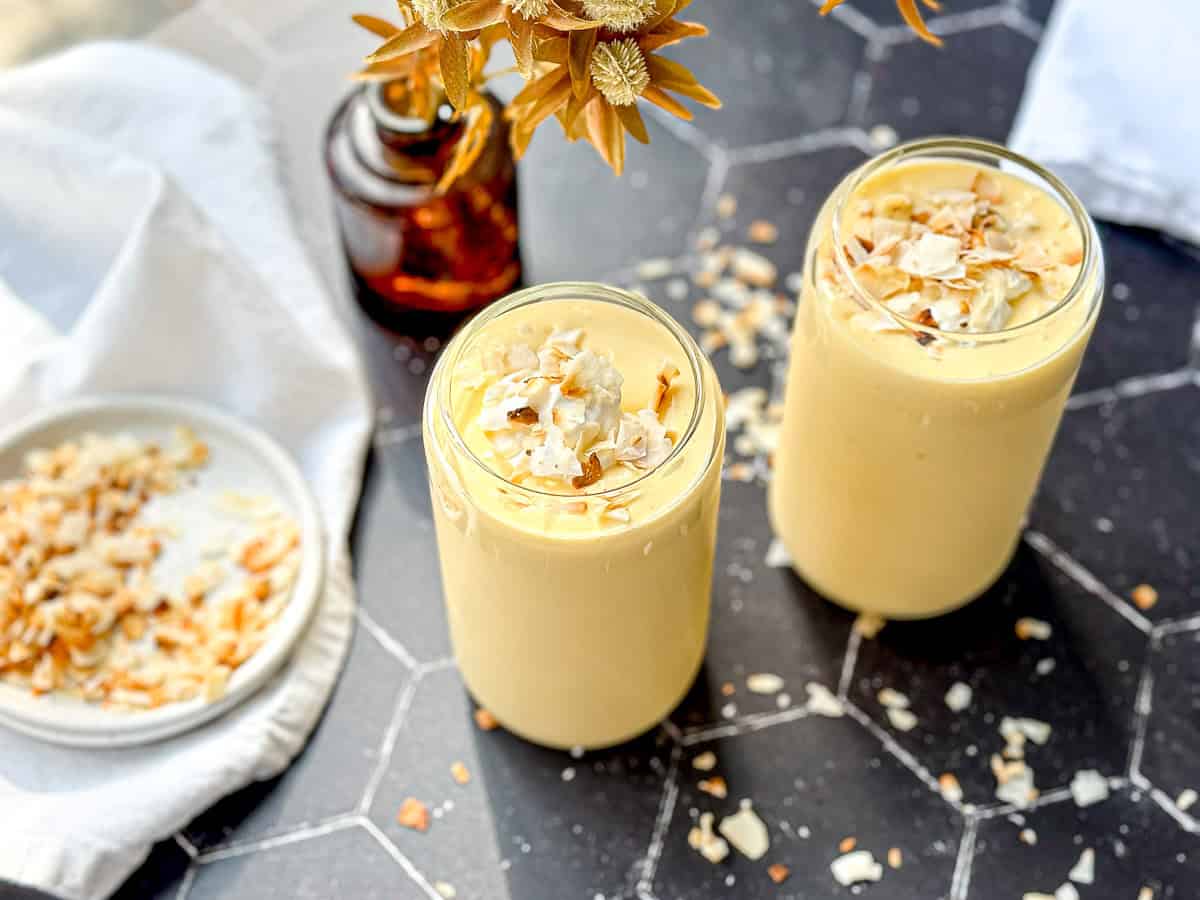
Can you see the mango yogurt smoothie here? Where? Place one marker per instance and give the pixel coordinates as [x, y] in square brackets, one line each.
[950, 290]
[574, 435]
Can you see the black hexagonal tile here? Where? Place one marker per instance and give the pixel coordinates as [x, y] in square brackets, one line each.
[159, 877]
[400, 584]
[782, 72]
[1087, 698]
[764, 620]
[885, 13]
[1171, 754]
[1038, 10]
[329, 775]
[1145, 324]
[1119, 495]
[971, 86]
[544, 823]
[813, 782]
[347, 863]
[579, 221]
[1135, 845]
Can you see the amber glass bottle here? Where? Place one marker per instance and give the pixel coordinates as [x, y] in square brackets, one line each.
[422, 261]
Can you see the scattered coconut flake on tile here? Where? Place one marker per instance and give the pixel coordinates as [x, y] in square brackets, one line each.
[778, 873]
[729, 710]
[746, 832]
[677, 289]
[1014, 782]
[1045, 666]
[654, 269]
[714, 787]
[1089, 787]
[895, 859]
[901, 719]
[822, 701]
[892, 699]
[1066, 891]
[777, 555]
[460, 773]
[856, 867]
[1034, 895]
[1144, 596]
[1033, 729]
[1028, 629]
[1146, 893]
[413, 814]
[1028, 837]
[1186, 799]
[959, 696]
[950, 787]
[868, 625]
[783, 701]
[764, 683]
[703, 841]
[1084, 871]
[705, 762]
[727, 206]
[445, 889]
[847, 844]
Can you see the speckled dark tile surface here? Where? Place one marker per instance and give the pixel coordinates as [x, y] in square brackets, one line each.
[1119, 686]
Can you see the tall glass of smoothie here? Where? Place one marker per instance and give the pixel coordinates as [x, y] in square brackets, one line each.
[574, 435]
[950, 289]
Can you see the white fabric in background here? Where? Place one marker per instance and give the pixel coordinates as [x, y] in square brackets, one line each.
[1113, 107]
[141, 216]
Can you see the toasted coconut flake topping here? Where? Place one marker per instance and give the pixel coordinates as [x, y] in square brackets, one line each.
[954, 256]
[554, 412]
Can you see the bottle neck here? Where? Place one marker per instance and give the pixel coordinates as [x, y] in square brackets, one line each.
[396, 144]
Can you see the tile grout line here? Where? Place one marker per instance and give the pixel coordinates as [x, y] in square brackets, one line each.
[814, 141]
[1167, 805]
[390, 645]
[854, 20]
[1177, 626]
[897, 752]
[185, 845]
[714, 183]
[960, 881]
[1134, 386]
[1086, 580]
[684, 131]
[399, 858]
[1046, 798]
[293, 836]
[1143, 705]
[388, 745]
[662, 822]
[849, 662]
[954, 23]
[1020, 22]
[741, 726]
[435, 665]
[189, 878]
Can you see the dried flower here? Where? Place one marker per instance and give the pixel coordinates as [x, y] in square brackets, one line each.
[619, 15]
[529, 9]
[619, 71]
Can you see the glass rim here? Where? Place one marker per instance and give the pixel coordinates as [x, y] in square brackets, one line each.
[439, 391]
[1091, 265]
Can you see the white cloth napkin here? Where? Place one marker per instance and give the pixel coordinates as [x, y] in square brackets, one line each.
[1113, 107]
[141, 216]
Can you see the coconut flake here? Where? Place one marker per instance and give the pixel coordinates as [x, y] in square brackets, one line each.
[1089, 787]
[777, 555]
[764, 683]
[1084, 871]
[703, 841]
[901, 719]
[823, 702]
[855, 867]
[959, 696]
[747, 833]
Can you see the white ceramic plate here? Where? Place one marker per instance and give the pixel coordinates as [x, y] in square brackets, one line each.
[242, 459]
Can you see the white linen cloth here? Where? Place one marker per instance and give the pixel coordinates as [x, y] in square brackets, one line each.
[141, 215]
[1113, 107]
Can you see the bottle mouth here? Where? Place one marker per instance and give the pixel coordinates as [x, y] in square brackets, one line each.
[388, 103]
[984, 153]
[439, 396]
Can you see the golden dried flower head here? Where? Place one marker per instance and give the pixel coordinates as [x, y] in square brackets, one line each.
[432, 12]
[529, 9]
[619, 71]
[619, 15]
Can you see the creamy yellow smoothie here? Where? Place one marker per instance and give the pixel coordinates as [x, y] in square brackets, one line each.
[950, 289]
[574, 435]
